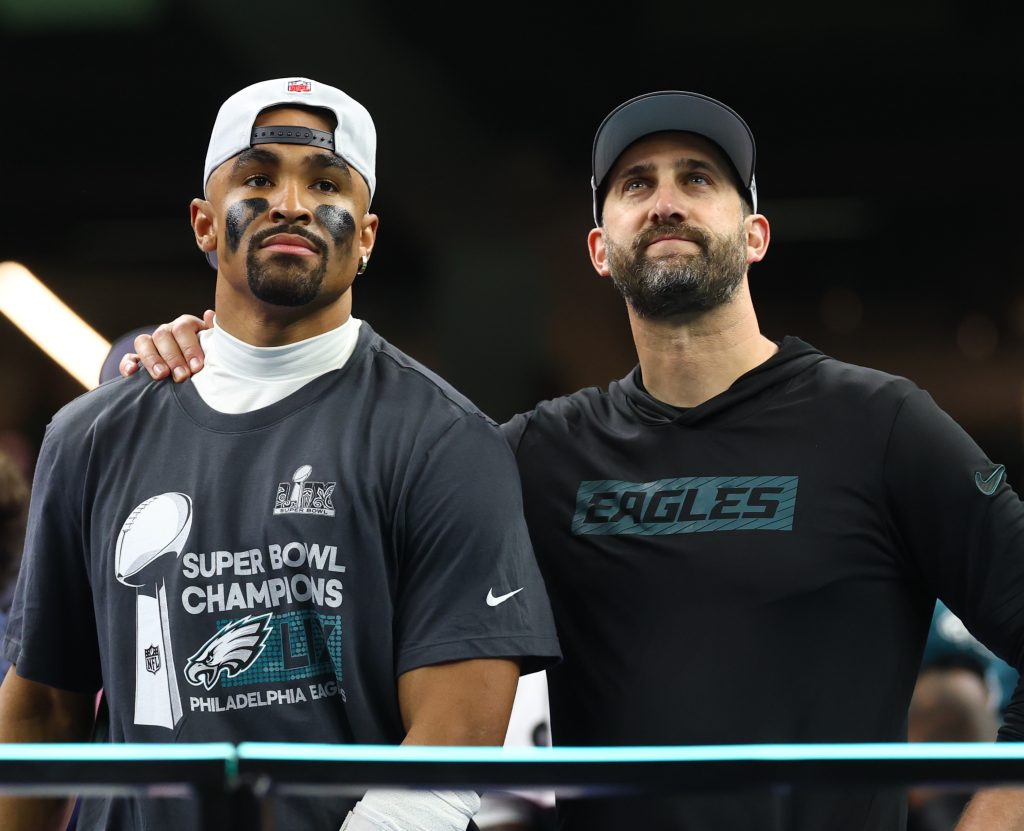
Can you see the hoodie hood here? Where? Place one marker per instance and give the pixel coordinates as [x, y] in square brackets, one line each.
[745, 394]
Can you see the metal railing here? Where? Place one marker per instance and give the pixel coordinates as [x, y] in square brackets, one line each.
[234, 785]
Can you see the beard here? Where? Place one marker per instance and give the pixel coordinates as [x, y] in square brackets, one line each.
[285, 279]
[661, 287]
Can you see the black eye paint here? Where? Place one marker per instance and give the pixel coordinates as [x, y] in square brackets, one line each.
[240, 216]
[339, 224]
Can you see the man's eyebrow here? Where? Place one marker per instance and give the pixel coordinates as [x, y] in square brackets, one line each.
[695, 164]
[680, 165]
[255, 154]
[326, 161]
[638, 169]
[313, 161]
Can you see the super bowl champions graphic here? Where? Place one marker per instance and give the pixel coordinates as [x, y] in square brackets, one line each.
[273, 612]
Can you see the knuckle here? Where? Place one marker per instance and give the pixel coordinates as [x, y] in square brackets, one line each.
[185, 324]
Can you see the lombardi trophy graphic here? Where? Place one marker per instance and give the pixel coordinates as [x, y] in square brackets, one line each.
[300, 476]
[148, 547]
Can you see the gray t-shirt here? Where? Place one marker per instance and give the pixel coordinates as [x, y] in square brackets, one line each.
[267, 576]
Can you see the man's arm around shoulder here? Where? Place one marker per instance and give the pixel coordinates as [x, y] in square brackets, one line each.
[33, 712]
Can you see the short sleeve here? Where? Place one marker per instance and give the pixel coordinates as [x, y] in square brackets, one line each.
[51, 632]
[469, 585]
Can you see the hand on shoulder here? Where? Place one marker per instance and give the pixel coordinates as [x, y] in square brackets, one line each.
[173, 350]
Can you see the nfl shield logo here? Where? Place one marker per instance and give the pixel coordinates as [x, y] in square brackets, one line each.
[153, 659]
[300, 86]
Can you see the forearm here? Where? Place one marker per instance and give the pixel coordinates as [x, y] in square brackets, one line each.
[464, 703]
[456, 734]
[50, 725]
[20, 813]
[31, 712]
[994, 809]
[461, 703]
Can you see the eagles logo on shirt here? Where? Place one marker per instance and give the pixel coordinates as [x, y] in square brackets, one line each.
[686, 505]
[231, 651]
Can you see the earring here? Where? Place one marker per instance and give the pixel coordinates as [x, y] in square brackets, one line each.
[362, 264]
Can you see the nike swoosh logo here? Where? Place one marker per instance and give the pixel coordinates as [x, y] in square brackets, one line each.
[501, 598]
[989, 484]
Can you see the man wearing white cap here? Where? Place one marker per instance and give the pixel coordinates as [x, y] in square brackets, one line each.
[743, 539]
[316, 541]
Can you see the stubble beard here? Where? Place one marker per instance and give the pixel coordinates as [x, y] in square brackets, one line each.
[678, 284]
[285, 279]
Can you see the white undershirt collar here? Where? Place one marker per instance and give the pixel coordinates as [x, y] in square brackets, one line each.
[238, 377]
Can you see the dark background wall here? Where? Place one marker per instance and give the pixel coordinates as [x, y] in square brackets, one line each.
[887, 165]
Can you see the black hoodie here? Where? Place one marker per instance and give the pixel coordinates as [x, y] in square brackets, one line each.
[761, 568]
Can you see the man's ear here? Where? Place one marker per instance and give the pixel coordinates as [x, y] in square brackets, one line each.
[368, 234]
[598, 252]
[204, 225]
[759, 234]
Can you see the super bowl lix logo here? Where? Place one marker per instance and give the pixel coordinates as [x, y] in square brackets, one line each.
[302, 496]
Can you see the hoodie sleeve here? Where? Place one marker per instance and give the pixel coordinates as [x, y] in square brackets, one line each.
[962, 527]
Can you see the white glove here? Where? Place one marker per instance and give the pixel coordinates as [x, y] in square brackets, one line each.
[381, 809]
[357, 822]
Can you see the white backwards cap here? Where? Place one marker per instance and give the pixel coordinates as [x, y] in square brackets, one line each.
[354, 138]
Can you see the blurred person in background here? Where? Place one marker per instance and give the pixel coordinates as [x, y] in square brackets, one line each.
[950, 646]
[14, 496]
[961, 694]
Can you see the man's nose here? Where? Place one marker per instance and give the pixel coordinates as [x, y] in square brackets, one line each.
[288, 205]
[668, 205]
